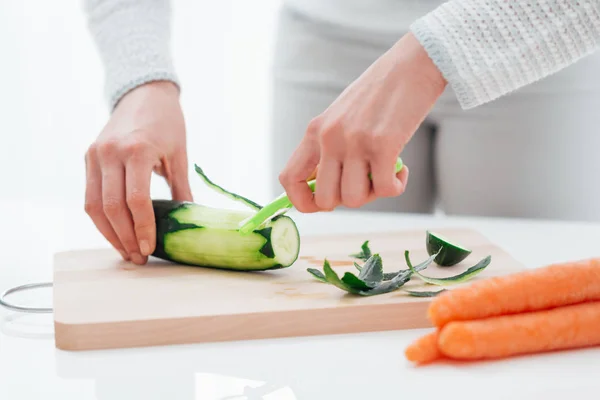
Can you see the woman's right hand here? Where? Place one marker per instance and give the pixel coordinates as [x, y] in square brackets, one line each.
[145, 133]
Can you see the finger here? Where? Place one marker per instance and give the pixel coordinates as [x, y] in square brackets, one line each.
[385, 181]
[355, 182]
[314, 174]
[180, 183]
[327, 191]
[116, 210]
[402, 176]
[293, 178]
[94, 206]
[138, 173]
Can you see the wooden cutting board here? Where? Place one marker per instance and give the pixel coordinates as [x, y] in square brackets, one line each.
[102, 302]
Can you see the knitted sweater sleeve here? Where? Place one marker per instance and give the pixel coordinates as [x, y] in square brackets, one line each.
[488, 48]
[132, 38]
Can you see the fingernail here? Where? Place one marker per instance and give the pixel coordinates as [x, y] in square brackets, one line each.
[145, 247]
[124, 255]
[136, 258]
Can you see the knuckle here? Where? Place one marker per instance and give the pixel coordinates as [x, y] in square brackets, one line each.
[144, 227]
[92, 208]
[134, 148]
[136, 200]
[363, 136]
[314, 128]
[107, 148]
[374, 145]
[380, 138]
[387, 190]
[359, 141]
[303, 208]
[112, 207]
[331, 133]
[353, 202]
[386, 145]
[91, 152]
[325, 204]
[130, 244]
[284, 178]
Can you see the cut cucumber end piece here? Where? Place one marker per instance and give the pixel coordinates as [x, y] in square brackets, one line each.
[285, 239]
[450, 253]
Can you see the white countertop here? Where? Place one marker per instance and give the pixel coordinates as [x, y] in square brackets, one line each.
[360, 366]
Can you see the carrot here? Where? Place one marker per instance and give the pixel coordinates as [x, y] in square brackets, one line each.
[561, 328]
[543, 288]
[424, 350]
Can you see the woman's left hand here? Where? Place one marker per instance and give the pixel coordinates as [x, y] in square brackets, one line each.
[363, 131]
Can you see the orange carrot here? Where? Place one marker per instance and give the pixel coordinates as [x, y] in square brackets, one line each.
[567, 327]
[424, 350]
[539, 289]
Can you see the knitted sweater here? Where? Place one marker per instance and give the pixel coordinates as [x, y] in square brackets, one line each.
[484, 48]
[488, 48]
[133, 40]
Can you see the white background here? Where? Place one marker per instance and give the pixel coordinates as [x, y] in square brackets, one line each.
[52, 104]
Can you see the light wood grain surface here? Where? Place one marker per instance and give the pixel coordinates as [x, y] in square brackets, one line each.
[102, 302]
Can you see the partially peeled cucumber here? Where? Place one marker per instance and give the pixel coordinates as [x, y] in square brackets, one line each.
[195, 234]
[199, 235]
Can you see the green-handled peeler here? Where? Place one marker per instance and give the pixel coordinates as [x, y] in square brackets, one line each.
[280, 206]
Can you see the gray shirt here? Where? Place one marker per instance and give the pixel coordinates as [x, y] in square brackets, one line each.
[484, 48]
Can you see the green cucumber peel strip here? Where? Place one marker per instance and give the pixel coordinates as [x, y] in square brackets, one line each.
[372, 272]
[420, 267]
[370, 275]
[365, 252]
[416, 293]
[354, 282]
[219, 189]
[317, 274]
[371, 282]
[396, 282]
[280, 206]
[451, 280]
[334, 279]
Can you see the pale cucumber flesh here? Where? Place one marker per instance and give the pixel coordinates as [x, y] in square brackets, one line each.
[204, 236]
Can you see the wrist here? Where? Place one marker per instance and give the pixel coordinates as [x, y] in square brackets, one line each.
[412, 59]
[163, 89]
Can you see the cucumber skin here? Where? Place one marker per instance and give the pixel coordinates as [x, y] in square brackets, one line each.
[163, 209]
[434, 244]
[165, 224]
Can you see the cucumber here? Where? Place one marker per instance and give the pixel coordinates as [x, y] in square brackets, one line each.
[199, 235]
[449, 253]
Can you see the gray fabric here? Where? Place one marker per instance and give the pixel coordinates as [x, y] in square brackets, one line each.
[133, 41]
[484, 49]
[530, 154]
[382, 16]
[487, 49]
